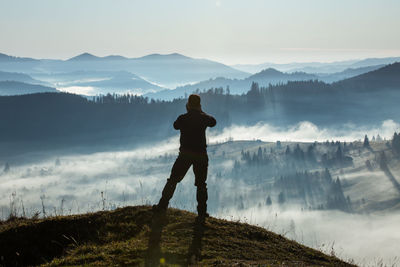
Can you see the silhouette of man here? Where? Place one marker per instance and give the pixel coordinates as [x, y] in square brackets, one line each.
[192, 151]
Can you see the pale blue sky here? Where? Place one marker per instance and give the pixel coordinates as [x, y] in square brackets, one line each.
[230, 31]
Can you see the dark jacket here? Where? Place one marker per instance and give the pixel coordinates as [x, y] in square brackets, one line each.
[193, 126]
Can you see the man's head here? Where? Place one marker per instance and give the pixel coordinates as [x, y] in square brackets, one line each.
[193, 102]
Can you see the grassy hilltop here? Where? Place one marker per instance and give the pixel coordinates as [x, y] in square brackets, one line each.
[121, 238]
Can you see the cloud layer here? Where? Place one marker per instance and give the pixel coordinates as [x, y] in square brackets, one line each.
[304, 132]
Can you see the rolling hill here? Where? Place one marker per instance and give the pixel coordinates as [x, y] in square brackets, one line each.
[19, 77]
[347, 73]
[128, 237]
[236, 86]
[20, 88]
[385, 77]
[119, 82]
[273, 76]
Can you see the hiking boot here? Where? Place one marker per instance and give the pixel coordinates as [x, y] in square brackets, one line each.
[158, 209]
[201, 219]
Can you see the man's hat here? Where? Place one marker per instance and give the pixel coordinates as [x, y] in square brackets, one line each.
[194, 101]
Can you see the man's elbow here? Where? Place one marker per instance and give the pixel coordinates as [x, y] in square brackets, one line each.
[213, 123]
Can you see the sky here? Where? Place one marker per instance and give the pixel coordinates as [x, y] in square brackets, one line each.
[228, 31]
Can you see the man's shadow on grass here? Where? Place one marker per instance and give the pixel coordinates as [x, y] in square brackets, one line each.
[154, 256]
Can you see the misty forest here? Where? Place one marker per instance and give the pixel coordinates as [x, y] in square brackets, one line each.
[295, 146]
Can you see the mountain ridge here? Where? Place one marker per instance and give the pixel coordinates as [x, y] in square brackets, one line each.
[20, 88]
[387, 77]
[19, 77]
[5, 58]
[317, 67]
[236, 86]
[167, 70]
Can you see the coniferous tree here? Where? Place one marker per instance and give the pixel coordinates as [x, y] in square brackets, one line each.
[396, 143]
[366, 141]
[339, 155]
[298, 153]
[288, 151]
[259, 154]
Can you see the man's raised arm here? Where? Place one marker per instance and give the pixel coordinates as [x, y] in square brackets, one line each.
[211, 122]
[177, 123]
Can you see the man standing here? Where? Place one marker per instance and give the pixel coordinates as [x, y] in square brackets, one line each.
[192, 151]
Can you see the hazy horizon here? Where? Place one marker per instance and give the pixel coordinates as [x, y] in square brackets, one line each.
[230, 32]
[190, 56]
[301, 150]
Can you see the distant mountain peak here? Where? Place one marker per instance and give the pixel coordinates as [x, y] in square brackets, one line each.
[270, 71]
[176, 55]
[165, 56]
[84, 56]
[114, 57]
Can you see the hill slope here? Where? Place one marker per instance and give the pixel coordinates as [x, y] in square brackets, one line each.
[20, 88]
[236, 86]
[385, 77]
[20, 77]
[121, 82]
[121, 237]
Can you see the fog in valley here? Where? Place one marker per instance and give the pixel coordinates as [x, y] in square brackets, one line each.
[306, 142]
[320, 186]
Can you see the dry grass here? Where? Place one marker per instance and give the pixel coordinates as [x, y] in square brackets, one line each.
[121, 238]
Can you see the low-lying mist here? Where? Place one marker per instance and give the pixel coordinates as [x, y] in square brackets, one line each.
[304, 132]
[67, 184]
[367, 239]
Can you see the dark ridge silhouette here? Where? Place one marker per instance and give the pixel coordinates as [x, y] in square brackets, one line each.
[122, 237]
[386, 77]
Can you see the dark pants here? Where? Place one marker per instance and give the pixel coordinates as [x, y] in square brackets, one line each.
[179, 170]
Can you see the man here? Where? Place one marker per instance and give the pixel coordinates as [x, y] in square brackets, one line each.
[192, 151]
